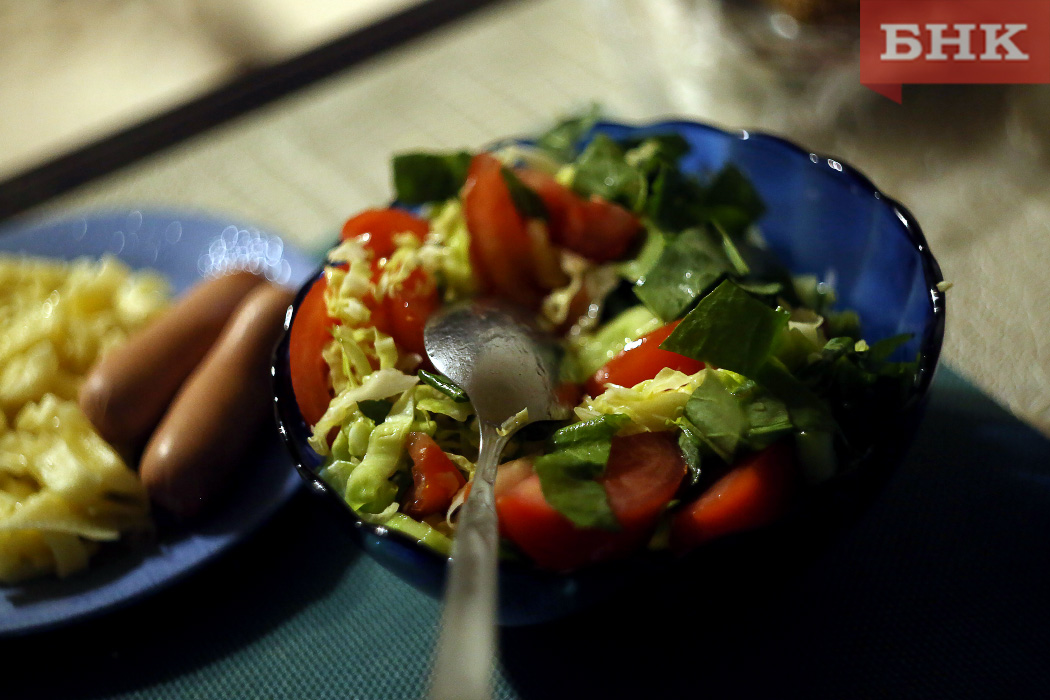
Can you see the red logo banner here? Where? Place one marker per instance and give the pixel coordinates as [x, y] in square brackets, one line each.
[953, 41]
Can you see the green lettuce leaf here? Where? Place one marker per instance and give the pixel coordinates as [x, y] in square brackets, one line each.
[677, 201]
[526, 201]
[729, 412]
[718, 417]
[568, 473]
[562, 139]
[650, 153]
[690, 265]
[429, 177]
[807, 410]
[732, 201]
[602, 170]
[674, 201]
[730, 329]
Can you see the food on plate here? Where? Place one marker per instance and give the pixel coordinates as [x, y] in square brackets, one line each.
[710, 386]
[159, 356]
[216, 413]
[188, 381]
[63, 489]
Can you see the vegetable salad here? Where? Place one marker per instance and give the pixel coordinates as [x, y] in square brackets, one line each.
[709, 384]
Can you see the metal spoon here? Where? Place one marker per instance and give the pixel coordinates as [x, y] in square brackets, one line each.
[504, 365]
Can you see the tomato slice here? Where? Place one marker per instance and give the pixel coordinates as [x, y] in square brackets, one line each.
[569, 393]
[640, 360]
[755, 492]
[594, 228]
[408, 306]
[379, 226]
[435, 478]
[642, 476]
[310, 332]
[501, 251]
[404, 311]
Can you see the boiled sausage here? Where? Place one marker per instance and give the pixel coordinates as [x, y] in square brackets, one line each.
[217, 413]
[128, 390]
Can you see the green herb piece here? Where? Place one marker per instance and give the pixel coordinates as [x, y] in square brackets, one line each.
[761, 289]
[729, 412]
[377, 410]
[857, 381]
[807, 411]
[601, 170]
[718, 416]
[688, 267]
[677, 201]
[648, 154]
[568, 474]
[732, 253]
[581, 500]
[429, 177]
[674, 201]
[768, 420]
[730, 329]
[526, 201]
[795, 349]
[596, 429]
[733, 201]
[689, 440]
[562, 140]
[443, 384]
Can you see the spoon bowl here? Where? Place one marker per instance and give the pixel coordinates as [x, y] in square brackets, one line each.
[499, 358]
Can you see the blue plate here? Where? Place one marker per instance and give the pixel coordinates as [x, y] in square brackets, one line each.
[185, 247]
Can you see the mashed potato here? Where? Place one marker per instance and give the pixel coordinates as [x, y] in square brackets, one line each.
[62, 488]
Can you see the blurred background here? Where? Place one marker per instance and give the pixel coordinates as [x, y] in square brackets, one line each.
[970, 161]
[75, 70]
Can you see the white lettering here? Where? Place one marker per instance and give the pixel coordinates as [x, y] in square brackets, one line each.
[894, 42]
[938, 41]
[992, 42]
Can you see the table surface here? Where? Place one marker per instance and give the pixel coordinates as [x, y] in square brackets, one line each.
[936, 589]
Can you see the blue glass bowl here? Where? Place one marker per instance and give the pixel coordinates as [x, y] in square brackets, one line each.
[823, 218]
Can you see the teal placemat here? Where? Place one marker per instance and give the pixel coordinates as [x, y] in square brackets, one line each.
[936, 588]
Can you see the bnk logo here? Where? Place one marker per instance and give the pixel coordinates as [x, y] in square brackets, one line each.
[953, 41]
[905, 43]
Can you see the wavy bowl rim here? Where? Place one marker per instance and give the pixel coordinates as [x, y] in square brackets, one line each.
[929, 352]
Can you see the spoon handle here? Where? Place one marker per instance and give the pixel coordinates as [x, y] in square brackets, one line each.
[467, 645]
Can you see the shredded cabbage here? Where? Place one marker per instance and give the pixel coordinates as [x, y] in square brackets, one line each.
[368, 488]
[652, 405]
[365, 365]
[434, 401]
[512, 424]
[423, 533]
[346, 288]
[446, 252]
[381, 384]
